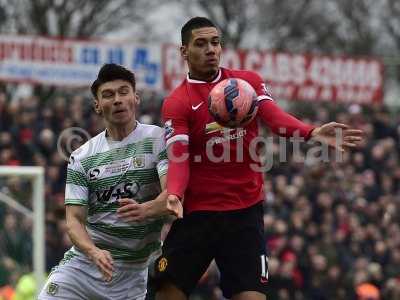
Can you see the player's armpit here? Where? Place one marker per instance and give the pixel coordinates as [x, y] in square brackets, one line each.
[281, 122]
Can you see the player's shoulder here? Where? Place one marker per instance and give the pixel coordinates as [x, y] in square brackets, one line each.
[179, 93]
[250, 76]
[177, 101]
[149, 130]
[90, 148]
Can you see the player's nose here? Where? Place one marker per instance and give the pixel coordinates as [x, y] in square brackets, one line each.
[210, 49]
[117, 100]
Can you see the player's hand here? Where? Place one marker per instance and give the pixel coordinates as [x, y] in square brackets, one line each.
[174, 206]
[132, 211]
[165, 204]
[337, 135]
[104, 261]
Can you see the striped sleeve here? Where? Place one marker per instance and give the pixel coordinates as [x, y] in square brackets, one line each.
[77, 187]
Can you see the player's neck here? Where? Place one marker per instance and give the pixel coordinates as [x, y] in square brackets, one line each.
[118, 133]
[208, 77]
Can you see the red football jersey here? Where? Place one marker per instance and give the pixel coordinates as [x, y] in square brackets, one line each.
[224, 174]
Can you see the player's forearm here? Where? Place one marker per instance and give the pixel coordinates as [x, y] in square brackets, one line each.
[79, 236]
[281, 122]
[178, 168]
[158, 207]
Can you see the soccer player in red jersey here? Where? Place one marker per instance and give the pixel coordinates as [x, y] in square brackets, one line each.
[212, 170]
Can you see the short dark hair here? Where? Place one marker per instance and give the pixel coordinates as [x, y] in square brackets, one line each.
[110, 72]
[194, 23]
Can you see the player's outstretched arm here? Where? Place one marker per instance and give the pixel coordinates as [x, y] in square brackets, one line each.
[131, 211]
[281, 122]
[76, 219]
[337, 135]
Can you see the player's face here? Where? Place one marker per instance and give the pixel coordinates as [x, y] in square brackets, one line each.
[203, 53]
[116, 102]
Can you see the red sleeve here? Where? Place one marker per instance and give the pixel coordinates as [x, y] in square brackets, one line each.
[176, 120]
[273, 116]
[175, 116]
[259, 86]
[281, 122]
[178, 168]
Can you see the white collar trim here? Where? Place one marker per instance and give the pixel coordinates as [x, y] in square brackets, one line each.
[200, 81]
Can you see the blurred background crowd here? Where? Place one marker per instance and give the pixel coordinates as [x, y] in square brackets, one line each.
[332, 228]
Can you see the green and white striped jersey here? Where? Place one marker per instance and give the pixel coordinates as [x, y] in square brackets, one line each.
[101, 171]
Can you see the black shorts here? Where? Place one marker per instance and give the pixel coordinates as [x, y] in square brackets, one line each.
[235, 239]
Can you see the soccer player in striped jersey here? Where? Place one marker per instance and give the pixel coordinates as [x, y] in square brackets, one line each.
[115, 203]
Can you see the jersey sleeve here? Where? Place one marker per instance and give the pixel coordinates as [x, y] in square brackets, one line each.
[176, 118]
[176, 121]
[161, 154]
[77, 187]
[279, 121]
[262, 91]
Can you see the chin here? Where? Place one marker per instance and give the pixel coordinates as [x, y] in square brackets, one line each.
[215, 68]
[212, 71]
[121, 121]
[125, 118]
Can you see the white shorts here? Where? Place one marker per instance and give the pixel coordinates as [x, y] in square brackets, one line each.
[78, 278]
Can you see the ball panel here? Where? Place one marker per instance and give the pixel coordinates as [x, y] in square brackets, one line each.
[233, 102]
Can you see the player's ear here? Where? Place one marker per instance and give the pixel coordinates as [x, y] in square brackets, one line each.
[184, 52]
[137, 99]
[96, 106]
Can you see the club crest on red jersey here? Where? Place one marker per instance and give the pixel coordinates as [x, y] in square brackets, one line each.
[169, 130]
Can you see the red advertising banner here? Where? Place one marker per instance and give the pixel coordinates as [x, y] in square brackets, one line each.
[296, 76]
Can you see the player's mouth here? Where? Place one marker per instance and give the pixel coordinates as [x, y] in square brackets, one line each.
[212, 61]
[119, 111]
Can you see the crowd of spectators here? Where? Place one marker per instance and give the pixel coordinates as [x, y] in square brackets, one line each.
[332, 227]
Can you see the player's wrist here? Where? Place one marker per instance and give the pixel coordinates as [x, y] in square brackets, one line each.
[149, 209]
[174, 206]
[174, 197]
[157, 207]
[92, 251]
[314, 132]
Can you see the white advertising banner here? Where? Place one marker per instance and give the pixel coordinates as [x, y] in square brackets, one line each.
[67, 62]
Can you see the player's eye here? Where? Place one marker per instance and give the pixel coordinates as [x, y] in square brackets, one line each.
[199, 43]
[107, 95]
[124, 92]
